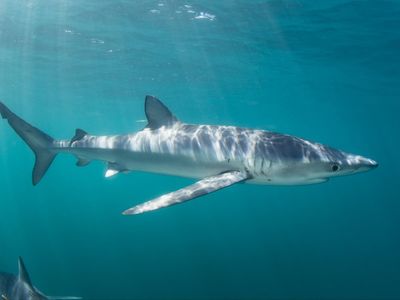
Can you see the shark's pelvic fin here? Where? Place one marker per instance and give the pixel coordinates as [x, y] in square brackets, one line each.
[200, 188]
[157, 113]
[113, 169]
[38, 141]
[111, 172]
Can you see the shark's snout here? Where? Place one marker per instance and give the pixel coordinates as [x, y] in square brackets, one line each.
[373, 164]
[361, 163]
[367, 163]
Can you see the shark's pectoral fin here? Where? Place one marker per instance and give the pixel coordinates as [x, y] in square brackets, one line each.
[4, 297]
[200, 188]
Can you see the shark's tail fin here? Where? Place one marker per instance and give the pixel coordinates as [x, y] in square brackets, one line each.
[38, 141]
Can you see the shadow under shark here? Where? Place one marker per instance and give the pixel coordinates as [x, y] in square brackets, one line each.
[219, 155]
[13, 287]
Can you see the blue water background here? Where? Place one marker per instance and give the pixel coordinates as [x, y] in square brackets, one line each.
[324, 70]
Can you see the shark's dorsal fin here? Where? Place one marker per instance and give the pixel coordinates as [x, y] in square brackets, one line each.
[23, 273]
[79, 134]
[157, 113]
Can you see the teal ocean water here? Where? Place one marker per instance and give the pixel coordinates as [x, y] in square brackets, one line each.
[324, 70]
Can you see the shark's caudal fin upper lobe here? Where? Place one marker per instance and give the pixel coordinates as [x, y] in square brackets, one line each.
[38, 141]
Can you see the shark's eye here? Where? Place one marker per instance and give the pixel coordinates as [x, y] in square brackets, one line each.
[335, 167]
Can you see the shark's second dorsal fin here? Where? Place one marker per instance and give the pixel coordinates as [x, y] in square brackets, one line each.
[23, 273]
[79, 134]
[157, 113]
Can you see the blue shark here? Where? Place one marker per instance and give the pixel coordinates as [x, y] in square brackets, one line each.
[20, 287]
[218, 156]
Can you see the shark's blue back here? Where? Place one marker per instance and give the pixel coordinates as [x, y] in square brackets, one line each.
[7, 285]
[13, 287]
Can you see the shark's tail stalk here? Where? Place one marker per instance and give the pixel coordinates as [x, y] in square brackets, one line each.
[37, 140]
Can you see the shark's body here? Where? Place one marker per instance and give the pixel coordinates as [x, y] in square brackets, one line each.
[20, 287]
[220, 155]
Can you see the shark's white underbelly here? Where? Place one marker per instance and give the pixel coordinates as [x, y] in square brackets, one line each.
[162, 163]
[168, 153]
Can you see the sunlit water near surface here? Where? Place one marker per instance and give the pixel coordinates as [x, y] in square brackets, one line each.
[324, 70]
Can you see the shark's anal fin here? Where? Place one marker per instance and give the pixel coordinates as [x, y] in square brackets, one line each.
[81, 162]
[200, 188]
